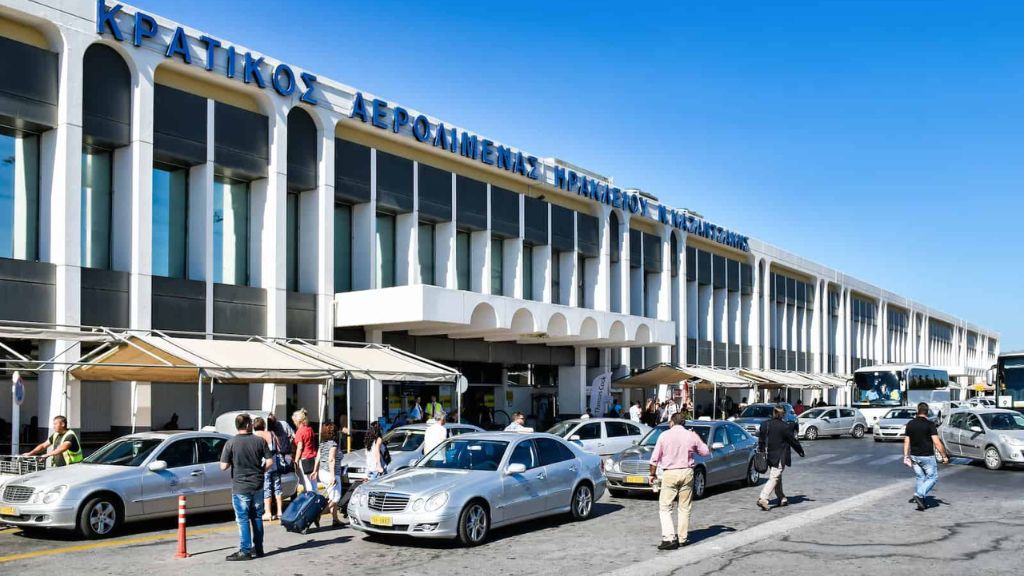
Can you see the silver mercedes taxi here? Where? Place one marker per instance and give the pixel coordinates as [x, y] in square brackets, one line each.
[135, 477]
[731, 459]
[469, 485]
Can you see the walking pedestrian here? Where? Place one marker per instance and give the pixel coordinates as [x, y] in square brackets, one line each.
[433, 408]
[62, 447]
[248, 458]
[416, 412]
[670, 408]
[375, 465]
[920, 443]
[328, 470]
[434, 434]
[776, 437]
[673, 452]
[305, 448]
[272, 491]
[635, 411]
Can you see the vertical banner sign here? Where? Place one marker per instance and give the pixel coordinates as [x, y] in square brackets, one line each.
[600, 394]
[17, 397]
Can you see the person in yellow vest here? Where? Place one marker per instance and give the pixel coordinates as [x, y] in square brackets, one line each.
[62, 446]
[433, 409]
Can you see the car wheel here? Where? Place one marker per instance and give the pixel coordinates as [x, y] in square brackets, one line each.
[99, 517]
[474, 523]
[811, 433]
[699, 483]
[877, 439]
[582, 502]
[616, 493]
[993, 461]
[858, 431]
[753, 476]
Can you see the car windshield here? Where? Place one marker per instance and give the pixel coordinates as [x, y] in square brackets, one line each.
[652, 437]
[403, 440]
[812, 414]
[900, 414]
[466, 454]
[562, 428]
[758, 411]
[124, 452]
[1003, 421]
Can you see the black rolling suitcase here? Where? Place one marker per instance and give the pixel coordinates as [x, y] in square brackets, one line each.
[303, 512]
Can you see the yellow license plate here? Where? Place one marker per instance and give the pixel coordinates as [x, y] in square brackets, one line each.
[380, 520]
[636, 479]
[8, 511]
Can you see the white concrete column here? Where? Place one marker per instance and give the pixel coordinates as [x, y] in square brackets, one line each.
[364, 233]
[445, 272]
[325, 229]
[480, 248]
[513, 258]
[60, 169]
[572, 383]
[599, 273]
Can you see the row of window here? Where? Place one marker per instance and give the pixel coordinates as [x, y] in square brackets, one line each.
[791, 291]
[940, 332]
[864, 311]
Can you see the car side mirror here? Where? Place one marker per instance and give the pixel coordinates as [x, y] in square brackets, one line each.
[574, 438]
[515, 469]
[976, 429]
[157, 466]
[636, 442]
[717, 446]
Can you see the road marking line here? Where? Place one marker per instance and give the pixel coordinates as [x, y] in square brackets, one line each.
[852, 459]
[669, 563]
[887, 459]
[111, 544]
[817, 458]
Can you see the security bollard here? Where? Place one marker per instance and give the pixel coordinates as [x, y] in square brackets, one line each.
[182, 551]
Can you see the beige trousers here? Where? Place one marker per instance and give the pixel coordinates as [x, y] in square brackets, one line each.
[774, 483]
[676, 485]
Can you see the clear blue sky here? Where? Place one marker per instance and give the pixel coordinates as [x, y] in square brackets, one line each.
[882, 138]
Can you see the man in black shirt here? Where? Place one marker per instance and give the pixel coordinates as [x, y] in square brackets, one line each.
[248, 456]
[920, 443]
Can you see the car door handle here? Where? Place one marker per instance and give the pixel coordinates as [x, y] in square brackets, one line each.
[572, 468]
[541, 476]
[197, 473]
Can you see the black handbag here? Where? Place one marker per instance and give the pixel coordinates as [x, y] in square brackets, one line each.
[761, 461]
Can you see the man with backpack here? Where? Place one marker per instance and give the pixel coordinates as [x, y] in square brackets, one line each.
[248, 457]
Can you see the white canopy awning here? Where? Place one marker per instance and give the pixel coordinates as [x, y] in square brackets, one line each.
[782, 379]
[147, 358]
[670, 374]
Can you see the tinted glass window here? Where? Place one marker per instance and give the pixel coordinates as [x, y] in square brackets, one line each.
[846, 413]
[457, 431]
[702, 431]
[551, 451]
[956, 420]
[618, 429]
[972, 421]
[591, 431]
[634, 430]
[736, 434]
[721, 436]
[210, 449]
[180, 453]
[523, 454]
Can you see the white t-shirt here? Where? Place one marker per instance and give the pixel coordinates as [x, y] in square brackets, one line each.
[670, 409]
[634, 413]
[435, 434]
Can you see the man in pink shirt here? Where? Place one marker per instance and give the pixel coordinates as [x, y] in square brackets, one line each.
[673, 453]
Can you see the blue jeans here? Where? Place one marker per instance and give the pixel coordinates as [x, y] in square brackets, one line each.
[927, 470]
[249, 516]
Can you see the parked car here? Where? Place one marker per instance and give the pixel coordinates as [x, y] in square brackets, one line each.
[831, 421]
[752, 416]
[992, 435]
[731, 459]
[893, 423]
[405, 444]
[603, 436]
[981, 402]
[135, 477]
[469, 485]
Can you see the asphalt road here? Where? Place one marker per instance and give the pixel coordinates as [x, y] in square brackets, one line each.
[849, 515]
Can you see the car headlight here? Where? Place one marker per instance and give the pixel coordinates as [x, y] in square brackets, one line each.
[48, 496]
[1011, 440]
[609, 463]
[436, 501]
[417, 505]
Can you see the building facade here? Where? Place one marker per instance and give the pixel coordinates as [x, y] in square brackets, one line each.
[156, 177]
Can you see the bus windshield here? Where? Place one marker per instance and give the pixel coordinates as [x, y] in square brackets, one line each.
[877, 389]
[1012, 370]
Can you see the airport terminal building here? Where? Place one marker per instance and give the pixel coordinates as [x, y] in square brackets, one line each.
[160, 178]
